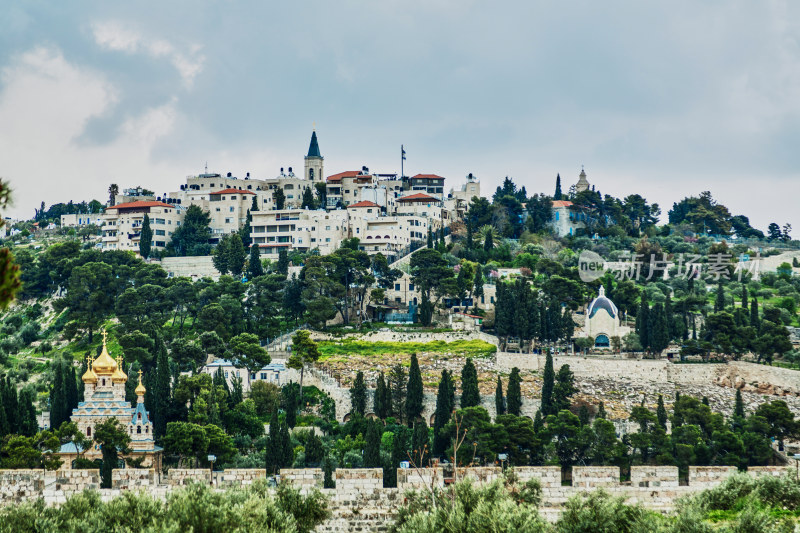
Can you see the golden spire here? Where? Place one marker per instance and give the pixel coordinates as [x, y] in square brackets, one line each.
[89, 376]
[104, 365]
[140, 390]
[119, 376]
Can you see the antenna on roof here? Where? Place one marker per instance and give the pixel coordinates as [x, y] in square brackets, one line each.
[206, 167]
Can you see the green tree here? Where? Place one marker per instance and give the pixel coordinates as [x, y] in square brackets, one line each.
[420, 444]
[304, 352]
[279, 198]
[372, 455]
[247, 352]
[499, 400]
[719, 302]
[382, 402]
[145, 238]
[661, 412]
[564, 388]
[444, 408]
[191, 237]
[414, 392]
[162, 393]
[557, 195]
[358, 395]
[738, 408]
[308, 199]
[112, 438]
[514, 392]
[90, 294]
[254, 266]
[470, 395]
[548, 406]
[221, 254]
[397, 387]
[237, 255]
[246, 229]
[283, 262]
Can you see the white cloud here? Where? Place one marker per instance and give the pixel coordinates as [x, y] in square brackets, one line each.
[113, 35]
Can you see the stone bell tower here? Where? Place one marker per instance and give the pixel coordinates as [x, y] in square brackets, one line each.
[313, 170]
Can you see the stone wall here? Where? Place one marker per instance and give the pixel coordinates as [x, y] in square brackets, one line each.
[177, 477]
[419, 478]
[548, 476]
[590, 477]
[303, 477]
[19, 485]
[358, 479]
[133, 478]
[237, 477]
[709, 476]
[771, 471]
[197, 267]
[481, 475]
[654, 476]
[75, 480]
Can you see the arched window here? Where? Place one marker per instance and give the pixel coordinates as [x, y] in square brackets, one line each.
[138, 429]
[104, 382]
[88, 431]
[311, 173]
[601, 341]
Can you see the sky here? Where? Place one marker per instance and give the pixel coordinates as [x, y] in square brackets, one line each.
[663, 99]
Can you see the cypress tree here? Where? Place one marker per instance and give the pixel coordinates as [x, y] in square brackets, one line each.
[327, 468]
[642, 321]
[4, 418]
[246, 230]
[584, 416]
[514, 399]
[254, 205]
[58, 397]
[162, 390]
[745, 304]
[71, 386]
[397, 389]
[705, 400]
[283, 262]
[358, 395]
[273, 439]
[558, 194]
[538, 423]
[420, 444]
[719, 303]
[738, 407]
[254, 266]
[488, 241]
[430, 238]
[145, 238]
[372, 448]
[470, 395]
[601, 411]
[287, 452]
[669, 320]
[26, 415]
[657, 329]
[563, 389]
[414, 393]
[548, 383]
[444, 408]
[499, 401]
[399, 453]
[754, 320]
[380, 404]
[661, 412]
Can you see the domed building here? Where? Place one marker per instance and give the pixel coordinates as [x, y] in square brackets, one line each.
[104, 397]
[602, 321]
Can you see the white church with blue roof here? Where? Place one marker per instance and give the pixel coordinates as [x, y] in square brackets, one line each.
[602, 321]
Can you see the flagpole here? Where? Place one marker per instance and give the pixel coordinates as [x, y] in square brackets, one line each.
[402, 158]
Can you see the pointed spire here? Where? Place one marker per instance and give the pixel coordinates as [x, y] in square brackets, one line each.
[140, 390]
[313, 148]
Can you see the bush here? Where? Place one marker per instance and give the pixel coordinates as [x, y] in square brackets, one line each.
[10, 345]
[29, 333]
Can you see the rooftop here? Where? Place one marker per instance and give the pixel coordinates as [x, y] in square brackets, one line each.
[561, 203]
[363, 203]
[139, 204]
[418, 197]
[345, 174]
[426, 177]
[233, 191]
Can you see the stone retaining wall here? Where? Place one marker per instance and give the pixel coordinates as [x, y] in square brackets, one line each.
[770, 470]
[358, 479]
[548, 476]
[709, 476]
[133, 478]
[237, 477]
[75, 480]
[19, 485]
[482, 475]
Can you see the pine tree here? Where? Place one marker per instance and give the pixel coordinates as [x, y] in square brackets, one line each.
[558, 194]
[145, 238]
[236, 255]
[548, 382]
[719, 303]
[162, 390]
[488, 242]
[381, 405]
[499, 401]
[745, 304]
[470, 395]
[738, 408]
[283, 262]
[358, 395]
[444, 409]
[583, 415]
[372, 448]
[661, 412]
[514, 399]
[254, 266]
[420, 445]
[601, 411]
[414, 392]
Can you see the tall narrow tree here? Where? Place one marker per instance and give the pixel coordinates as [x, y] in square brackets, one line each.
[514, 401]
[372, 448]
[381, 402]
[145, 238]
[719, 302]
[548, 382]
[661, 412]
[558, 194]
[414, 392]
[254, 266]
[444, 409]
[470, 395]
[358, 394]
[499, 400]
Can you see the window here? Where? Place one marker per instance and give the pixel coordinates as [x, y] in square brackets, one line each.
[218, 210]
[88, 431]
[226, 374]
[491, 299]
[411, 286]
[159, 221]
[327, 228]
[397, 286]
[160, 243]
[139, 430]
[230, 209]
[160, 232]
[227, 220]
[328, 240]
[263, 375]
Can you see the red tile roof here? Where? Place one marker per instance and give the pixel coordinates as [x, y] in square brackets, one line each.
[140, 203]
[561, 203]
[418, 197]
[233, 191]
[346, 174]
[363, 203]
[427, 177]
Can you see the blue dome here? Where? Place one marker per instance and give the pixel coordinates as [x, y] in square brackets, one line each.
[601, 302]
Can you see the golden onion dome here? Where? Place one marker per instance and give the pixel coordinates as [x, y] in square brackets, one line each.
[104, 365]
[89, 376]
[119, 376]
[140, 390]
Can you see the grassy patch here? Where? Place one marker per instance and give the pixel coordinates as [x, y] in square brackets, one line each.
[471, 348]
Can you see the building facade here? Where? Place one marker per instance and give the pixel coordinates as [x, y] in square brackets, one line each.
[122, 224]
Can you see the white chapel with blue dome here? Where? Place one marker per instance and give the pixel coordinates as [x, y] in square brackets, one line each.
[602, 321]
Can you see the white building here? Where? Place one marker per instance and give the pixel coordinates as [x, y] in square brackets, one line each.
[122, 224]
[274, 373]
[602, 321]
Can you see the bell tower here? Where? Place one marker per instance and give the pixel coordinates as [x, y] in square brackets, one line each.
[313, 170]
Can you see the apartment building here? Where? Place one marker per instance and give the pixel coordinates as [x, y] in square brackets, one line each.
[391, 235]
[299, 229]
[430, 184]
[76, 221]
[122, 224]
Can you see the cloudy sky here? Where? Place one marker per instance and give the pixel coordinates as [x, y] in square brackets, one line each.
[664, 101]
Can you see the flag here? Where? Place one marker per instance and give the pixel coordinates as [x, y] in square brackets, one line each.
[402, 152]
